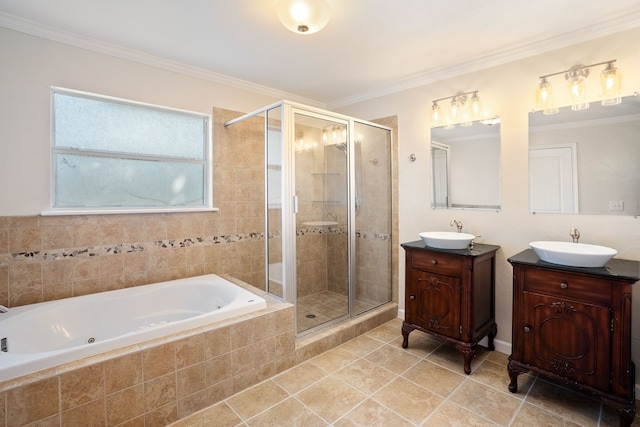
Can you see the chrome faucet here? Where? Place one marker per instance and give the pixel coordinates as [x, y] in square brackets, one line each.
[3, 309]
[575, 234]
[457, 223]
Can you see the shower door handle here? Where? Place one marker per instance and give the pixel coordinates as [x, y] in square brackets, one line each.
[295, 204]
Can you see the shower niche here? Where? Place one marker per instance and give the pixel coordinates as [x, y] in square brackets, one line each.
[328, 213]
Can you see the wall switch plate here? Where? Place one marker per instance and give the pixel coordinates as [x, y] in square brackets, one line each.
[616, 206]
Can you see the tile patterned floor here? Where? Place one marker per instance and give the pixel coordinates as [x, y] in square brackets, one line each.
[316, 309]
[371, 381]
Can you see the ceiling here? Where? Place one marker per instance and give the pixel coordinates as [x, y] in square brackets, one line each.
[368, 48]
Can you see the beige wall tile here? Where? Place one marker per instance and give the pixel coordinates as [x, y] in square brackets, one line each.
[89, 414]
[160, 391]
[57, 236]
[217, 342]
[32, 402]
[158, 360]
[189, 351]
[125, 405]
[218, 369]
[192, 403]
[162, 416]
[190, 380]
[242, 334]
[122, 372]
[24, 239]
[81, 386]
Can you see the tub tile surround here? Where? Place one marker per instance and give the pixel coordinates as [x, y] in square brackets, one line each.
[167, 379]
[159, 381]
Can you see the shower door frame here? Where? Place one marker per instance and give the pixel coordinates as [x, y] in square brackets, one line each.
[289, 201]
[289, 218]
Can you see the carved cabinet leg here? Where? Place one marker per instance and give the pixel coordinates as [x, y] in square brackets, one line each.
[514, 371]
[406, 330]
[490, 338]
[468, 353]
[626, 411]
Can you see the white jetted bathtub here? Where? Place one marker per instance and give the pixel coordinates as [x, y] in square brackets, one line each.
[40, 336]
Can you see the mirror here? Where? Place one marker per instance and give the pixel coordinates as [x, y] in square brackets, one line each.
[465, 166]
[586, 161]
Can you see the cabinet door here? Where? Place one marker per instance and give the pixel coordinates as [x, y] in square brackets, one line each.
[433, 302]
[568, 338]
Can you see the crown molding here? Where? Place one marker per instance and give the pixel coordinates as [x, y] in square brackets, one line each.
[619, 24]
[57, 35]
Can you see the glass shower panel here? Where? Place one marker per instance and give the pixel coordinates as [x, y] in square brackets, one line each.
[274, 190]
[373, 216]
[322, 255]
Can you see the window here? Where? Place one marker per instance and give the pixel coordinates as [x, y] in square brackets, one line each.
[111, 155]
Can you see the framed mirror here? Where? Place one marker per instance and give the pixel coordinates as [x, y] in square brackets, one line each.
[586, 161]
[465, 166]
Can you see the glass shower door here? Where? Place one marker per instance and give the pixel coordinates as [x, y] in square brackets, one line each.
[321, 190]
[372, 207]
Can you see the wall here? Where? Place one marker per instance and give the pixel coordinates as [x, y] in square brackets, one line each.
[29, 68]
[509, 91]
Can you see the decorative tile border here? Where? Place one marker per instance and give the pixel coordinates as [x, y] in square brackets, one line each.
[91, 251]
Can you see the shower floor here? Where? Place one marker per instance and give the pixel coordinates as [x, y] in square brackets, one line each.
[316, 309]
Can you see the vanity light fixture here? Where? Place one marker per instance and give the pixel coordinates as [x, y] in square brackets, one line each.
[304, 16]
[461, 112]
[610, 84]
[576, 76]
[544, 98]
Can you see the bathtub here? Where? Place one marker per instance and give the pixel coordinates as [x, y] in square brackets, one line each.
[44, 335]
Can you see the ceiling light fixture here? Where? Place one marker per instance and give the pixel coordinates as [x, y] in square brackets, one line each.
[576, 76]
[304, 16]
[460, 112]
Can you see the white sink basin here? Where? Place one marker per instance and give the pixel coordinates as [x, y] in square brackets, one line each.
[446, 239]
[573, 254]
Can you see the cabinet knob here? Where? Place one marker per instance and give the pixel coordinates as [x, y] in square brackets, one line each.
[527, 329]
[563, 285]
[434, 262]
[412, 297]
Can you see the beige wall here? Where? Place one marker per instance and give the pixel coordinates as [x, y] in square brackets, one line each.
[508, 91]
[31, 65]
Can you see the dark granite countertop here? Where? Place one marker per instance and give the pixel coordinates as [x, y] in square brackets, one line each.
[616, 268]
[478, 249]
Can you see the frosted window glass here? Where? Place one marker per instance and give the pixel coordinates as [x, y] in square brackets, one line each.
[85, 181]
[92, 124]
[110, 153]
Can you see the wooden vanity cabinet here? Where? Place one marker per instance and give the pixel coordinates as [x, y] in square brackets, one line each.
[574, 325]
[451, 294]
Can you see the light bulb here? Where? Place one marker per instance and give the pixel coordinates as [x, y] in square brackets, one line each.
[610, 82]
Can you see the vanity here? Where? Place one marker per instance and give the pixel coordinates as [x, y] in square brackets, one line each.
[573, 324]
[450, 293]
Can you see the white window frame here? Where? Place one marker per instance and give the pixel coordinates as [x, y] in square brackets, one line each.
[208, 156]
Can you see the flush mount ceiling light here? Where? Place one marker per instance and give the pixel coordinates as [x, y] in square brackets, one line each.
[461, 111]
[304, 16]
[576, 76]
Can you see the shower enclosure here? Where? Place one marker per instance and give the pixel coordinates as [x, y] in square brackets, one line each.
[328, 216]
